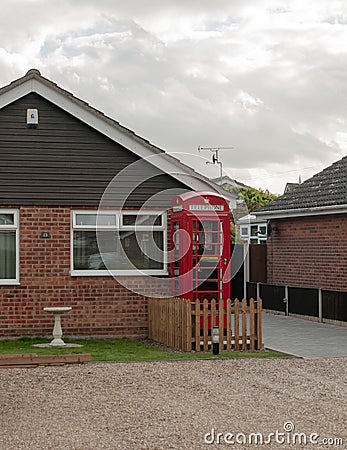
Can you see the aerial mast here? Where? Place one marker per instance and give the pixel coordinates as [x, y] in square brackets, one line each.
[215, 157]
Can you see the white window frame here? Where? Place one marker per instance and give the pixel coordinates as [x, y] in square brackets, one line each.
[15, 226]
[120, 227]
[95, 213]
[142, 212]
[245, 233]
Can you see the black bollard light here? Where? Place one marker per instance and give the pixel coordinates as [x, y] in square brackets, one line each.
[215, 340]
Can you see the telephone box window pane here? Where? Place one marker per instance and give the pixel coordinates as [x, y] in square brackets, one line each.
[208, 273]
[208, 225]
[209, 286]
[208, 250]
[208, 262]
[176, 236]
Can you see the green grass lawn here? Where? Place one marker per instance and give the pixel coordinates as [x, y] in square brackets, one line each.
[122, 349]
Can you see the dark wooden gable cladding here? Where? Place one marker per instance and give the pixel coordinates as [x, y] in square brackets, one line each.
[66, 162]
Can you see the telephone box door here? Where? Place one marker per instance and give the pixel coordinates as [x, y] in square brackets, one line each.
[210, 259]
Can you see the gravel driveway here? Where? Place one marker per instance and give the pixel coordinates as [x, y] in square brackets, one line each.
[174, 405]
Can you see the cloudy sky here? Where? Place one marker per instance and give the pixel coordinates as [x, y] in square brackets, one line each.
[266, 77]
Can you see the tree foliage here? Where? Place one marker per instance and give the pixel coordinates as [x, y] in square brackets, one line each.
[253, 198]
[256, 198]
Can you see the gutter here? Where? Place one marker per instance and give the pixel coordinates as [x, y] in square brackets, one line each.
[298, 212]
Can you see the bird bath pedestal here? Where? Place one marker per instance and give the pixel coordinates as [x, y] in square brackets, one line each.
[57, 311]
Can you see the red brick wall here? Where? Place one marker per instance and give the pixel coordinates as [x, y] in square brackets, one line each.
[100, 305]
[309, 252]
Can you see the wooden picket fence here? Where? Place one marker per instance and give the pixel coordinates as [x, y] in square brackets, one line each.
[187, 326]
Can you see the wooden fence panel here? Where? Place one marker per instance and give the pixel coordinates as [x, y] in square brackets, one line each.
[252, 324]
[188, 326]
[228, 324]
[236, 326]
[197, 325]
[221, 323]
[244, 324]
[213, 312]
[259, 326]
[205, 324]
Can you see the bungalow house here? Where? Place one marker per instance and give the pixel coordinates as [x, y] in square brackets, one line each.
[61, 162]
[307, 232]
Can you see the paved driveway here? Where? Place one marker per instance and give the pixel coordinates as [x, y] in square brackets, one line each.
[302, 337]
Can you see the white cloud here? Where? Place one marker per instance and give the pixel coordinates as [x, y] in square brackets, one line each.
[266, 77]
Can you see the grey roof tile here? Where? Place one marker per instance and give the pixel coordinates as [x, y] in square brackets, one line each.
[327, 188]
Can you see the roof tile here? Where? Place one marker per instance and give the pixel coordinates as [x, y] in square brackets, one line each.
[326, 188]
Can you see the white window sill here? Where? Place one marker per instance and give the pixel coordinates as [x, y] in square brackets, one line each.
[106, 273]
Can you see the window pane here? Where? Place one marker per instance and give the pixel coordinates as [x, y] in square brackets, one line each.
[106, 220]
[141, 219]
[85, 219]
[7, 254]
[6, 219]
[144, 249]
[94, 219]
[244, 231]
[86, 254]
[254, 230]
[262, 230]
[84, 245]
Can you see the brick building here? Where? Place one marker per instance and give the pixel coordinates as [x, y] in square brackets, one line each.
[307, 228]
[64, 168]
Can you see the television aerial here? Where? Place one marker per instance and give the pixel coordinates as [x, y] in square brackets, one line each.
[215, 157]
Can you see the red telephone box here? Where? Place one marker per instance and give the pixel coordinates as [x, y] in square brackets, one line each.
[200, 246]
